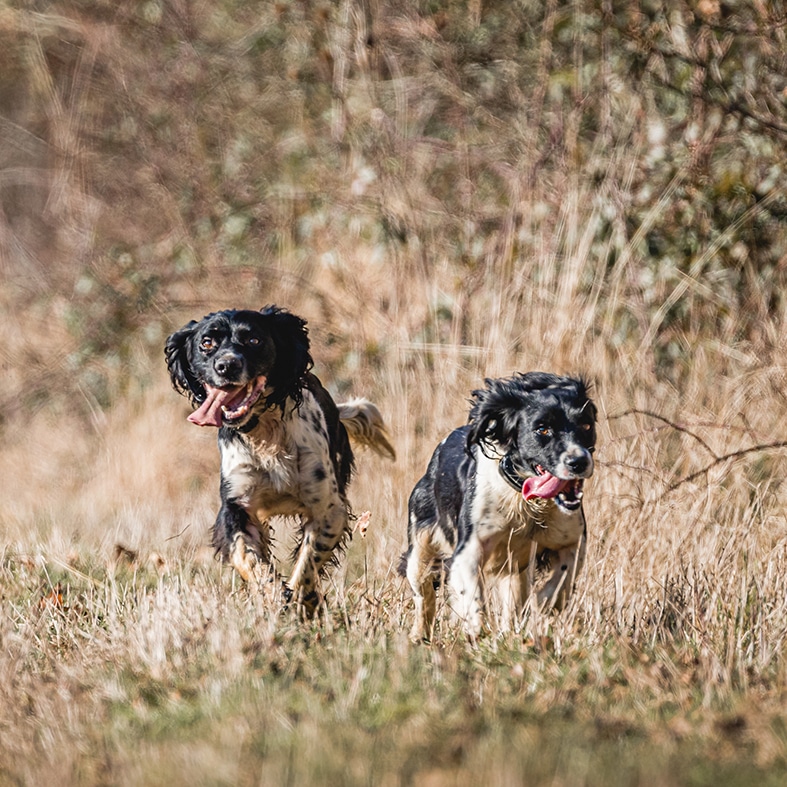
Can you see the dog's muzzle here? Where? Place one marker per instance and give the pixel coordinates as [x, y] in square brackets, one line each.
[566, 492]
[229, 405]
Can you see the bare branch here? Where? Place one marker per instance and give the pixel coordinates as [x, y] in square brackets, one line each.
[720, 459]
[717, 459]
[676, 427]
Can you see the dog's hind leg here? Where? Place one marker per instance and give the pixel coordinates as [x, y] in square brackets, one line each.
[419, 572]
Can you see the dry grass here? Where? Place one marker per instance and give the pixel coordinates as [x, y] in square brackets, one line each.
[438, 216]
[143, 670]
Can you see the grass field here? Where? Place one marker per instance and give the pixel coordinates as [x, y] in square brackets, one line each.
[158, 667]
[445, 194]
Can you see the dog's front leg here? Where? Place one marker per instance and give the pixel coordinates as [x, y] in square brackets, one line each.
[556, 591]
[242, 543]
[321, 535]
[466, 588]
[514, 589]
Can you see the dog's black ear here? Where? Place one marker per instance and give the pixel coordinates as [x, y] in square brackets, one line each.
[177, 351]
[494, 415]
[293, 360]
[584, 388]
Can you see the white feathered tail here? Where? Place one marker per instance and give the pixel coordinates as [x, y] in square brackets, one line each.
[365, 425]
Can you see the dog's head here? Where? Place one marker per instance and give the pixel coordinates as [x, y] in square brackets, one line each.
[233, 363]
[542, 428]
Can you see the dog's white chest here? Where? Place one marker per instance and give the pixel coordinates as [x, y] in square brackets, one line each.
[282, 465]
[502, 514]
[559, 530]
[496, 506]
[253, 476]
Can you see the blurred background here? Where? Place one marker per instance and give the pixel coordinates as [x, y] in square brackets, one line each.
[445, 191]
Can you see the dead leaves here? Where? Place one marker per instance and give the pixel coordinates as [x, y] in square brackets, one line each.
[123, 557]
[362, 523]
[53, 599]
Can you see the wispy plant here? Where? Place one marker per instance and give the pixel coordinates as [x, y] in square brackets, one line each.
[445, 193]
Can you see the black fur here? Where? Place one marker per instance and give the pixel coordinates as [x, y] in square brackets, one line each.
[469, 506]
[284, 442]
[282, 352]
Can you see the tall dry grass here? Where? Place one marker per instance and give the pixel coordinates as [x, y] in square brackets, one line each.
[676, 634]
[435, 225]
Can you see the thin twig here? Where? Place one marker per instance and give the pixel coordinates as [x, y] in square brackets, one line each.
[178, 535]
[733, 106]
[717, 460]
[720, 459]
[676, 427]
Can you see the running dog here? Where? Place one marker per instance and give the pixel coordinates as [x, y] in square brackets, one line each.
[502, 500]
[284, 443]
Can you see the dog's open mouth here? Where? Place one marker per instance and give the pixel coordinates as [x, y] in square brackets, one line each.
[228, 405]
[566, 493]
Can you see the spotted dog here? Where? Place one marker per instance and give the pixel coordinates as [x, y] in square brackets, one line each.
[502, 500]
[284, 443]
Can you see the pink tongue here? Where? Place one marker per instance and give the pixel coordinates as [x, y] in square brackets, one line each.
[209, 412]
[545, 485]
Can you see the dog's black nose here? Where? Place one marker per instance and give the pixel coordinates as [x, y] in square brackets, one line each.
[577, 463]
[228, 365]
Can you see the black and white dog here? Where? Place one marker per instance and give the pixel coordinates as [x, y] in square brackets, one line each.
[502, 497]
[283, 441]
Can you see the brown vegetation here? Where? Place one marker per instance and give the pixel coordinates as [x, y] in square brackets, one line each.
[445, 193]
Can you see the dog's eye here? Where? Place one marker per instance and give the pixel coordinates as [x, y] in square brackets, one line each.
[207, 343]
[543, 431]
[253, 340]
[585, 427]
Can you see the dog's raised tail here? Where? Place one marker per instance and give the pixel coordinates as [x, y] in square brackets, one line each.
[365, 425]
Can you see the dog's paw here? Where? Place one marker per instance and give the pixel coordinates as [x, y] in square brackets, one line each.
[307, 603]
[420, 634]
[304, 604]
[246, 558]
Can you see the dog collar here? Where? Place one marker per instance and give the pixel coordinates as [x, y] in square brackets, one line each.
[250, 425]
[506, 468]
